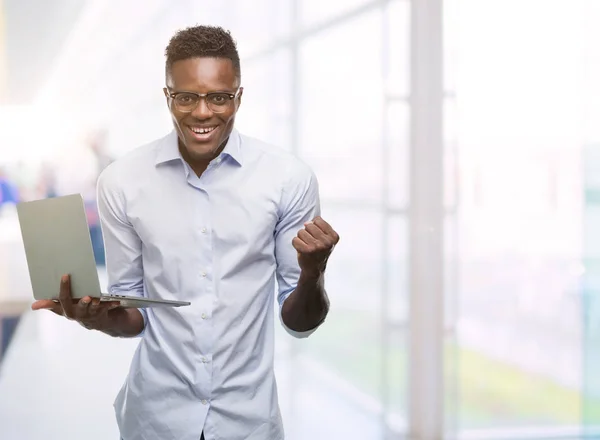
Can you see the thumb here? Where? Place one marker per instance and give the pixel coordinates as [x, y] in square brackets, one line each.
[43, 304]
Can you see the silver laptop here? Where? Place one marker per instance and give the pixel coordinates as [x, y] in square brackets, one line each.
[57, 242]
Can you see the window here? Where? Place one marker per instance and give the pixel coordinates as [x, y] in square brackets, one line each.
[266, 108]
[341, 105]
[518, 343]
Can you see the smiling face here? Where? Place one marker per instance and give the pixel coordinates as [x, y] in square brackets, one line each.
[202, 132]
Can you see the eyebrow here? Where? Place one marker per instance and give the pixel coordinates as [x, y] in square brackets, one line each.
[196, 93]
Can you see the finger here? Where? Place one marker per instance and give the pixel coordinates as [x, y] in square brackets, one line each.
[43, 304]
[82, 307]
[306, 237]
[65, 299]
[110, 304]
[316, 232]
[114, 305]
[314, 222]
[300, 246]
[48, 304]
[95, 307]
[98, 307]
[320, 239]
[326, 228]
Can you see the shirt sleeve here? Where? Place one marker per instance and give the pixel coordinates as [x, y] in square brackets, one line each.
[299, 204]
[122, 244]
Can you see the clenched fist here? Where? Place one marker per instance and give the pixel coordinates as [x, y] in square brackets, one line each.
[314, 244]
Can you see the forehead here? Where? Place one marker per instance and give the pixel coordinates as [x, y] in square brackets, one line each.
[202, 74]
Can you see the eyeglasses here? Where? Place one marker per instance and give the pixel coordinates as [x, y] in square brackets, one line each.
[217, 102]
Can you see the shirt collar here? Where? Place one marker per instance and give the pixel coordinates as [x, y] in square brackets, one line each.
[233, 148]
[169, 149]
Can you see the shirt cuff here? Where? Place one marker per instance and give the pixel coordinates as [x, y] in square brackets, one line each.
[145, 317]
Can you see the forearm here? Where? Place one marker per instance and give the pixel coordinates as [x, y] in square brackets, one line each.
[308, 305]
[123, 323]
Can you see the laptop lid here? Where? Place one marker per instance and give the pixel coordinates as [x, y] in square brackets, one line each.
[57, 242]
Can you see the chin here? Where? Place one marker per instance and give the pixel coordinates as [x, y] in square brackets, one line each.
[201, 152]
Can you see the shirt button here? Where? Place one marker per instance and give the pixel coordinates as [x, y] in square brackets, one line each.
[204, 360]
[203, 230]
[204, 316]
[203, 274]
[204, 402]
[219, 160]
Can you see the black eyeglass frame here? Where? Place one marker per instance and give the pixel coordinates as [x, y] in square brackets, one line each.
[173, 95]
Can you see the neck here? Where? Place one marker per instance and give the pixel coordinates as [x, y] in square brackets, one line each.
[199, 165]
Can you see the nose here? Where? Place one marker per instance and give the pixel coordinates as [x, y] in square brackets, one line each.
[202, 111]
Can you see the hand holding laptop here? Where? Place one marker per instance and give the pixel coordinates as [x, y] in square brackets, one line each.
[94, 313]
[89, 312]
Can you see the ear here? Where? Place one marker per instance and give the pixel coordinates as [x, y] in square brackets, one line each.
[239, 98]
[166, 92]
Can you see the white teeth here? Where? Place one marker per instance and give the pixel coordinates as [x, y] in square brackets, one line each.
[202, 130]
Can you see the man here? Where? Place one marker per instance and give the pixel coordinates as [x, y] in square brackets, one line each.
[214, 217]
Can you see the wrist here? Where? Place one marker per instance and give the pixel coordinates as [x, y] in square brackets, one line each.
[101, 324]
[114, 320]
[311, 275]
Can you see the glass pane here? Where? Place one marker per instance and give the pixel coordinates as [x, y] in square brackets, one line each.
[590, 288]
[520, 217]
[398, 154]
[395, 312]
[397, 78]
[591, 277]
[451, 390]
[450, 154]
[255, 25]
[266, 107]
[451, 270]
[355, 269]
[591, 62]
[344, 357]
[519, 333]
[341, 109]
[451, 351]
[358, 353]
[315, 11]
[396, 306]
[451, 43]
[395, 385]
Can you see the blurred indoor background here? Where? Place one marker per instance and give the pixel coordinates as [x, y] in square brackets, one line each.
[457, 146]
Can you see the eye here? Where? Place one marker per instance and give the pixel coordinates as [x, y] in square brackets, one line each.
[218, 98]
[185, 98]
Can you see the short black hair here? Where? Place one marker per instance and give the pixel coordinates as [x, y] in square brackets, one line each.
[203, 41]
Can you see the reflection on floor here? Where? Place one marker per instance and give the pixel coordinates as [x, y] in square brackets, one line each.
[58, 381]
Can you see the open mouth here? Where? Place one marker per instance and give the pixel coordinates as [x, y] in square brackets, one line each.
[203, 133]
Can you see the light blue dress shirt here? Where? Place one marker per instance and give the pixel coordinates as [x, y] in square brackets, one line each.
[224, 242]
